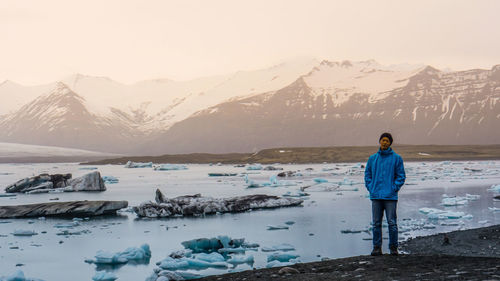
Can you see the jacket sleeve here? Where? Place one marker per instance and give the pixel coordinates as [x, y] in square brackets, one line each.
[400, 174]
[368, 173]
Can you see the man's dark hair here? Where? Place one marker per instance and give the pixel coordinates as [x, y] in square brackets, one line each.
[386, 135]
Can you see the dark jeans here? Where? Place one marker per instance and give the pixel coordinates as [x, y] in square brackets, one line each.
[378, 207]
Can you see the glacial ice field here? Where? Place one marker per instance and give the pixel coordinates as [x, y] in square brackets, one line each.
[333, 221]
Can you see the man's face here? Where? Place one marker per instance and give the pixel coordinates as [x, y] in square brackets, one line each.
[385, 143]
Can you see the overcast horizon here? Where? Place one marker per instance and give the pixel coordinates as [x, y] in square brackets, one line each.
[130, 41]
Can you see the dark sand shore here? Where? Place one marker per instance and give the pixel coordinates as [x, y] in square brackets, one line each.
[472, 254]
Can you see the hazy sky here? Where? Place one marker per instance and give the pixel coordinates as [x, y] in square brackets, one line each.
[43, 41]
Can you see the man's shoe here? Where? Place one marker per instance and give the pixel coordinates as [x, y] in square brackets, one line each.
[394, 250]
[377, 251]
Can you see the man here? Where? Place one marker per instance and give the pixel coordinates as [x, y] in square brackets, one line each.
[384, 177]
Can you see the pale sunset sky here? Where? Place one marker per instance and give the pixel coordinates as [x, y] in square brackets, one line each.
[128, 40]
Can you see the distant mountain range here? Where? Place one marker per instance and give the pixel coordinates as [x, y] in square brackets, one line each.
[299, 103]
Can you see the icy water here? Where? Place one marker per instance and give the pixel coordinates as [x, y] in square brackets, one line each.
[317, 232]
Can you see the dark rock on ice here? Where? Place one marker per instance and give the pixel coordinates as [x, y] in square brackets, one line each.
[58, 183]
[69, 209]
[195, 205]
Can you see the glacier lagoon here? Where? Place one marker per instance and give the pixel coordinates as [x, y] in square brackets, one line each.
[332, 221]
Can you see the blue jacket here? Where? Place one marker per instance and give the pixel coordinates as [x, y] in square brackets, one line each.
[384, 175]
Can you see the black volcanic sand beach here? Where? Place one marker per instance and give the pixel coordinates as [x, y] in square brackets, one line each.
[472, 254]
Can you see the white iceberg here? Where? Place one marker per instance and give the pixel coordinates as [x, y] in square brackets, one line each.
[170, 167]
[131, 164]
[104, 276]
[139, 255]
[18, 276]
[284, 247]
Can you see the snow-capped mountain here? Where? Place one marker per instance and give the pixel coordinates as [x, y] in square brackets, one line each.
[420, 106]
[299, 103]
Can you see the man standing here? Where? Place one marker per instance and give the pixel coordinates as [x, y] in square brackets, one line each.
[384, 177]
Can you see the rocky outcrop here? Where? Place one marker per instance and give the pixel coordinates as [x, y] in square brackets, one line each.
[62, 209]
[58, 183]
[196, 205]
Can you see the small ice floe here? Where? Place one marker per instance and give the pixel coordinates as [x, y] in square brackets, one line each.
[88, 168]
[437, 214]
[494, 209]
[170, 167]
[295, 194]
[284, 247]
[70, 233]
[495, 188]
[104, 276]
[458, 200]
[110, 179]
[212, 244]
[20, 232]
[282, 256]
[67, 225]
[423, 154]
[170, 263]
[131, 164]
[255, 167]
[483, 222]
[7, 195]
[18, 276]
[222, 174]
[139, 255]
[320, 180]
[277, 227]
[272, 168]
[241, 260]
[289, 222]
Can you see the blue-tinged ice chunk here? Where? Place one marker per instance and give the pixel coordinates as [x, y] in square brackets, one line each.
[18, 276]
[212, 257]
[494, 209]
[241, 259]
[281, 256]
[320, 180]
[254, 167]
[250, 245]
[212, 244]
[280, 247]
[104, 276]
[495, 188]
[199, 264]
[276, 263]
[273, 179]
[20, 232]
[170, 167]
[110, 179]
[276, 227]
[189, 275]
[140, 255]
[454, 201]
[173, 264]
[232, 250]
[131, 164]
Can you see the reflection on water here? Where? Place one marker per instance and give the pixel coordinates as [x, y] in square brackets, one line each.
[333, 207]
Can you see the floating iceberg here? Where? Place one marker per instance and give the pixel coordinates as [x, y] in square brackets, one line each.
[494, 209]
[241, 259]
[110, 179]
[189, 263]
[17, 276]
[212, 257]
[255, 167]
[276, 227]
[196, 205]
[24, 233]
[131, 164]
[104, 276]
[212, 244]
[281, 247]
[295, 194]
[282, 256]
[139, 255]
[437, 214]
[170, 167]
[222, 174]
[495, 188]
[320, 180]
